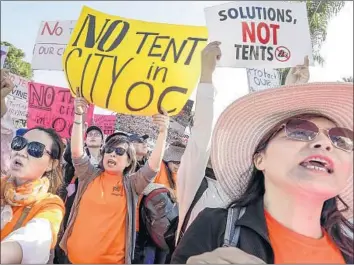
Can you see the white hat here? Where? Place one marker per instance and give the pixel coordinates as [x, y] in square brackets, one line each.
[246, 121]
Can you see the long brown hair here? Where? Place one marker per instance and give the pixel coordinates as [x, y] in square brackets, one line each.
[113, 143]
[55, 175]
[332, 219]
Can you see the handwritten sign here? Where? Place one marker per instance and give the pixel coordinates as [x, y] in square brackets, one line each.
[52, 38]
[107, 123]
[3, 54]
[131, 66]
[17, 101]
[261, 78]
[260, 34]
[52, 107]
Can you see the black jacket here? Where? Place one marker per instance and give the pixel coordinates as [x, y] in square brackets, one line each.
[207, 234]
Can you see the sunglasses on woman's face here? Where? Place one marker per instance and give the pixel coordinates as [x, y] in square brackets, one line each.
[34, 149]
[119, 150]
[304, 130]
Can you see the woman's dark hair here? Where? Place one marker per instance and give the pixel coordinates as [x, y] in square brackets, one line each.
[113, 143]
[332, 219]
[55, 175]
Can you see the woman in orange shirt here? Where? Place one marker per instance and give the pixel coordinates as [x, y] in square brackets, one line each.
[30, 212]
[284, 157]
[100, 227]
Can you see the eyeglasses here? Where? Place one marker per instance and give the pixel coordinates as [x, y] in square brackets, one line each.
[304, 130]
[34, 149]
[120, 151]
[93, 134]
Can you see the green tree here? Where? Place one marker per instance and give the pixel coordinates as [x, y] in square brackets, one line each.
[319, 14]
[348, 79]
[15, 63]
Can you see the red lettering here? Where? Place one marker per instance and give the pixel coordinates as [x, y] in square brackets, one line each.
[248, 32]
[262, 40]
[275, 27]
[57, 30]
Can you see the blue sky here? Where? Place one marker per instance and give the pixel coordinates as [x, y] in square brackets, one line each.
[20, 21]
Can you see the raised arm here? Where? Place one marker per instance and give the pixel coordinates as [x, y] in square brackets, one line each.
[144, 176]
[195, 158]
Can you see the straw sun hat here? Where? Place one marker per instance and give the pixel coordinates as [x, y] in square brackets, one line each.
[245, 122]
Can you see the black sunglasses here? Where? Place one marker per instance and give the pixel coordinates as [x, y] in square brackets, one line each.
[119, 150]
[304, 130]
[34, 149]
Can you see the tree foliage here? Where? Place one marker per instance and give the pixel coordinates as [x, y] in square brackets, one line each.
[319, 14]
[15, 63]
[348, 79]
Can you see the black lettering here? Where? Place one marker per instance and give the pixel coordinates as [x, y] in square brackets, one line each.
[270, 54]
[109, 32]
[151, 88]
[154, 45]
[271, 14]
[250, 15]
[254, 52]
[49, 94]
[264, 13]
[90, 38]
[263, 48]
[238, 46]
[259, 15]
[59, 124]
[288, 15]
[66, 67]
[242, 15]
[103, 56]
[62, 110]
[35, 96]
[233, 13]
[115, 77]
[196, 41]
[146, 34]
[165, 92]
[150, 70]
[280, 15]
[83, 74]
[222, 15]
[176, 54]
[245, 52]
[62, 93]
[158, 69]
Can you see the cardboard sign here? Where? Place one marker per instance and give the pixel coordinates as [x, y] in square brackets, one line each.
[52, 38]
[132, 66]
[17, 101]
[107, 123]
[52, 107]
[260, 34]
[261, 78]
[3, 54]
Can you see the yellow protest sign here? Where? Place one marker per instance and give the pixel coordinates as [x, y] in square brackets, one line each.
[132, 66]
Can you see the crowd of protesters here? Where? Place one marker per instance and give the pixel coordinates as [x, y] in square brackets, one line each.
[268, 181]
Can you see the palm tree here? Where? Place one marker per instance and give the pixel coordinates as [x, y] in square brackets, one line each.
[319, 14]
[348, 79]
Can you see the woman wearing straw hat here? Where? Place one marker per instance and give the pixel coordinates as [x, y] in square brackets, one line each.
[285, 157]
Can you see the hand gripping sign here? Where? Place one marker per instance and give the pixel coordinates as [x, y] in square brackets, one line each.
[131, 66]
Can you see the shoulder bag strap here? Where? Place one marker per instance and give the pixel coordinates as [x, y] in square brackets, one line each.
[23, 216]
[232, 232]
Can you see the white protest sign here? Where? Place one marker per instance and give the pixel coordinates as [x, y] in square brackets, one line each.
[52, 38]
[17, 101]
[261, 78]
[3, 55]
[269, 34]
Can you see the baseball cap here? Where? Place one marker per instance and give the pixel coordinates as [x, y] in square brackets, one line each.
[116, 134]
[94, 128]
[138, 138]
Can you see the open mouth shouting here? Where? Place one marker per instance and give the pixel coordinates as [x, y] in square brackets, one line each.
[111, 163]
[318, 163]
[16, 164]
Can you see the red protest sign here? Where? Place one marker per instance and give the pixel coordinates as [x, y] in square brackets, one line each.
[52, 107]
[107, 123]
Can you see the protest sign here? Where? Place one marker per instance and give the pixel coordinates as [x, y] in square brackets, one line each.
[131, 66]
[52, 107]
[260, 34]
[52, 38]
[261, 78]
[107, 123]
[3, 55]
[17, 101]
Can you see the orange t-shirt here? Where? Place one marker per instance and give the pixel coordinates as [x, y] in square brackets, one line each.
[50, 208]
[291, 247]
[162, 177]
[98, 234]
